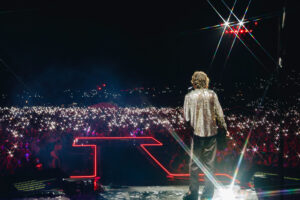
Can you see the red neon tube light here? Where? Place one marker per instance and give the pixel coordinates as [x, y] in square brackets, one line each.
[143, 146]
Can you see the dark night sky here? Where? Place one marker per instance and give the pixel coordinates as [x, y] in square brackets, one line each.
[66, 44]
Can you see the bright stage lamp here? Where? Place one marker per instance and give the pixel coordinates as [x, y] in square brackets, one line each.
[227, 194]
[241, 23]
[226, 23]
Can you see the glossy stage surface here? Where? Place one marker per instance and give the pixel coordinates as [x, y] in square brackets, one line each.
[174, 193]
[155, 193]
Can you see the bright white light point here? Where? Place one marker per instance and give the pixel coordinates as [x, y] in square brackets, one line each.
[241, 23]
[226, 24]
[227, 194]
[254, 149]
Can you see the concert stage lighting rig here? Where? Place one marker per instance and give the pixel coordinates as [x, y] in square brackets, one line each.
[240, 28]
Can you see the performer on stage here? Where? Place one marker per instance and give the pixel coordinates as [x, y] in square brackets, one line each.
[204, 114]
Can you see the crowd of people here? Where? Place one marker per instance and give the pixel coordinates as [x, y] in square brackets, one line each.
[22, 131]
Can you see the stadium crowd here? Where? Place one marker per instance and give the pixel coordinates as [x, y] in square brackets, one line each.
[22, 131]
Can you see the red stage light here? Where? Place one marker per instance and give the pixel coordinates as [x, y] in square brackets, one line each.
[226, 31]
[251, 30]
[39, 166]
[255, 23]
[241, 31]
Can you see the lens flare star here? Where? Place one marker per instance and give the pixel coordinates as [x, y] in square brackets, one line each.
[241, 23]
[252, 36]
[226, 24]
[257, 59]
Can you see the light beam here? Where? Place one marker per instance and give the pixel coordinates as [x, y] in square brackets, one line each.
[238, 36]
[241, 23]
[226, 24]
[257, 42]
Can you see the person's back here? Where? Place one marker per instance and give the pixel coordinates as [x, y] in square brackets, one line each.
[200, 111]
[203, 110]
[204, 113]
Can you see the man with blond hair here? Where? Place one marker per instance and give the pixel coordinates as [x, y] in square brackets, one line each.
[204, 113]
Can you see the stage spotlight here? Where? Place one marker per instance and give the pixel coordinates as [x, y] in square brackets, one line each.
[228, 194]
[241, 23]
[226, 24]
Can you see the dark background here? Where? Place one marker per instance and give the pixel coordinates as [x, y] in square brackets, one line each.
[69, 44]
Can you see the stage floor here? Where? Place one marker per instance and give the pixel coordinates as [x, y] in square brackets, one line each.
[154, 193]
[171, 192]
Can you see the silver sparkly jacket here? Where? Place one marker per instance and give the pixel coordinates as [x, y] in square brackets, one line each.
[204, 112]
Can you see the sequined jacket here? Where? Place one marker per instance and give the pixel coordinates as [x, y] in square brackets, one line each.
[204, 112]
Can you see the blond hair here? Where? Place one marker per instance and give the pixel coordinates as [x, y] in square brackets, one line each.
[200, 80]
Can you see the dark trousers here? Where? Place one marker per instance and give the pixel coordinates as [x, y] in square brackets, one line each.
[204, 148]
